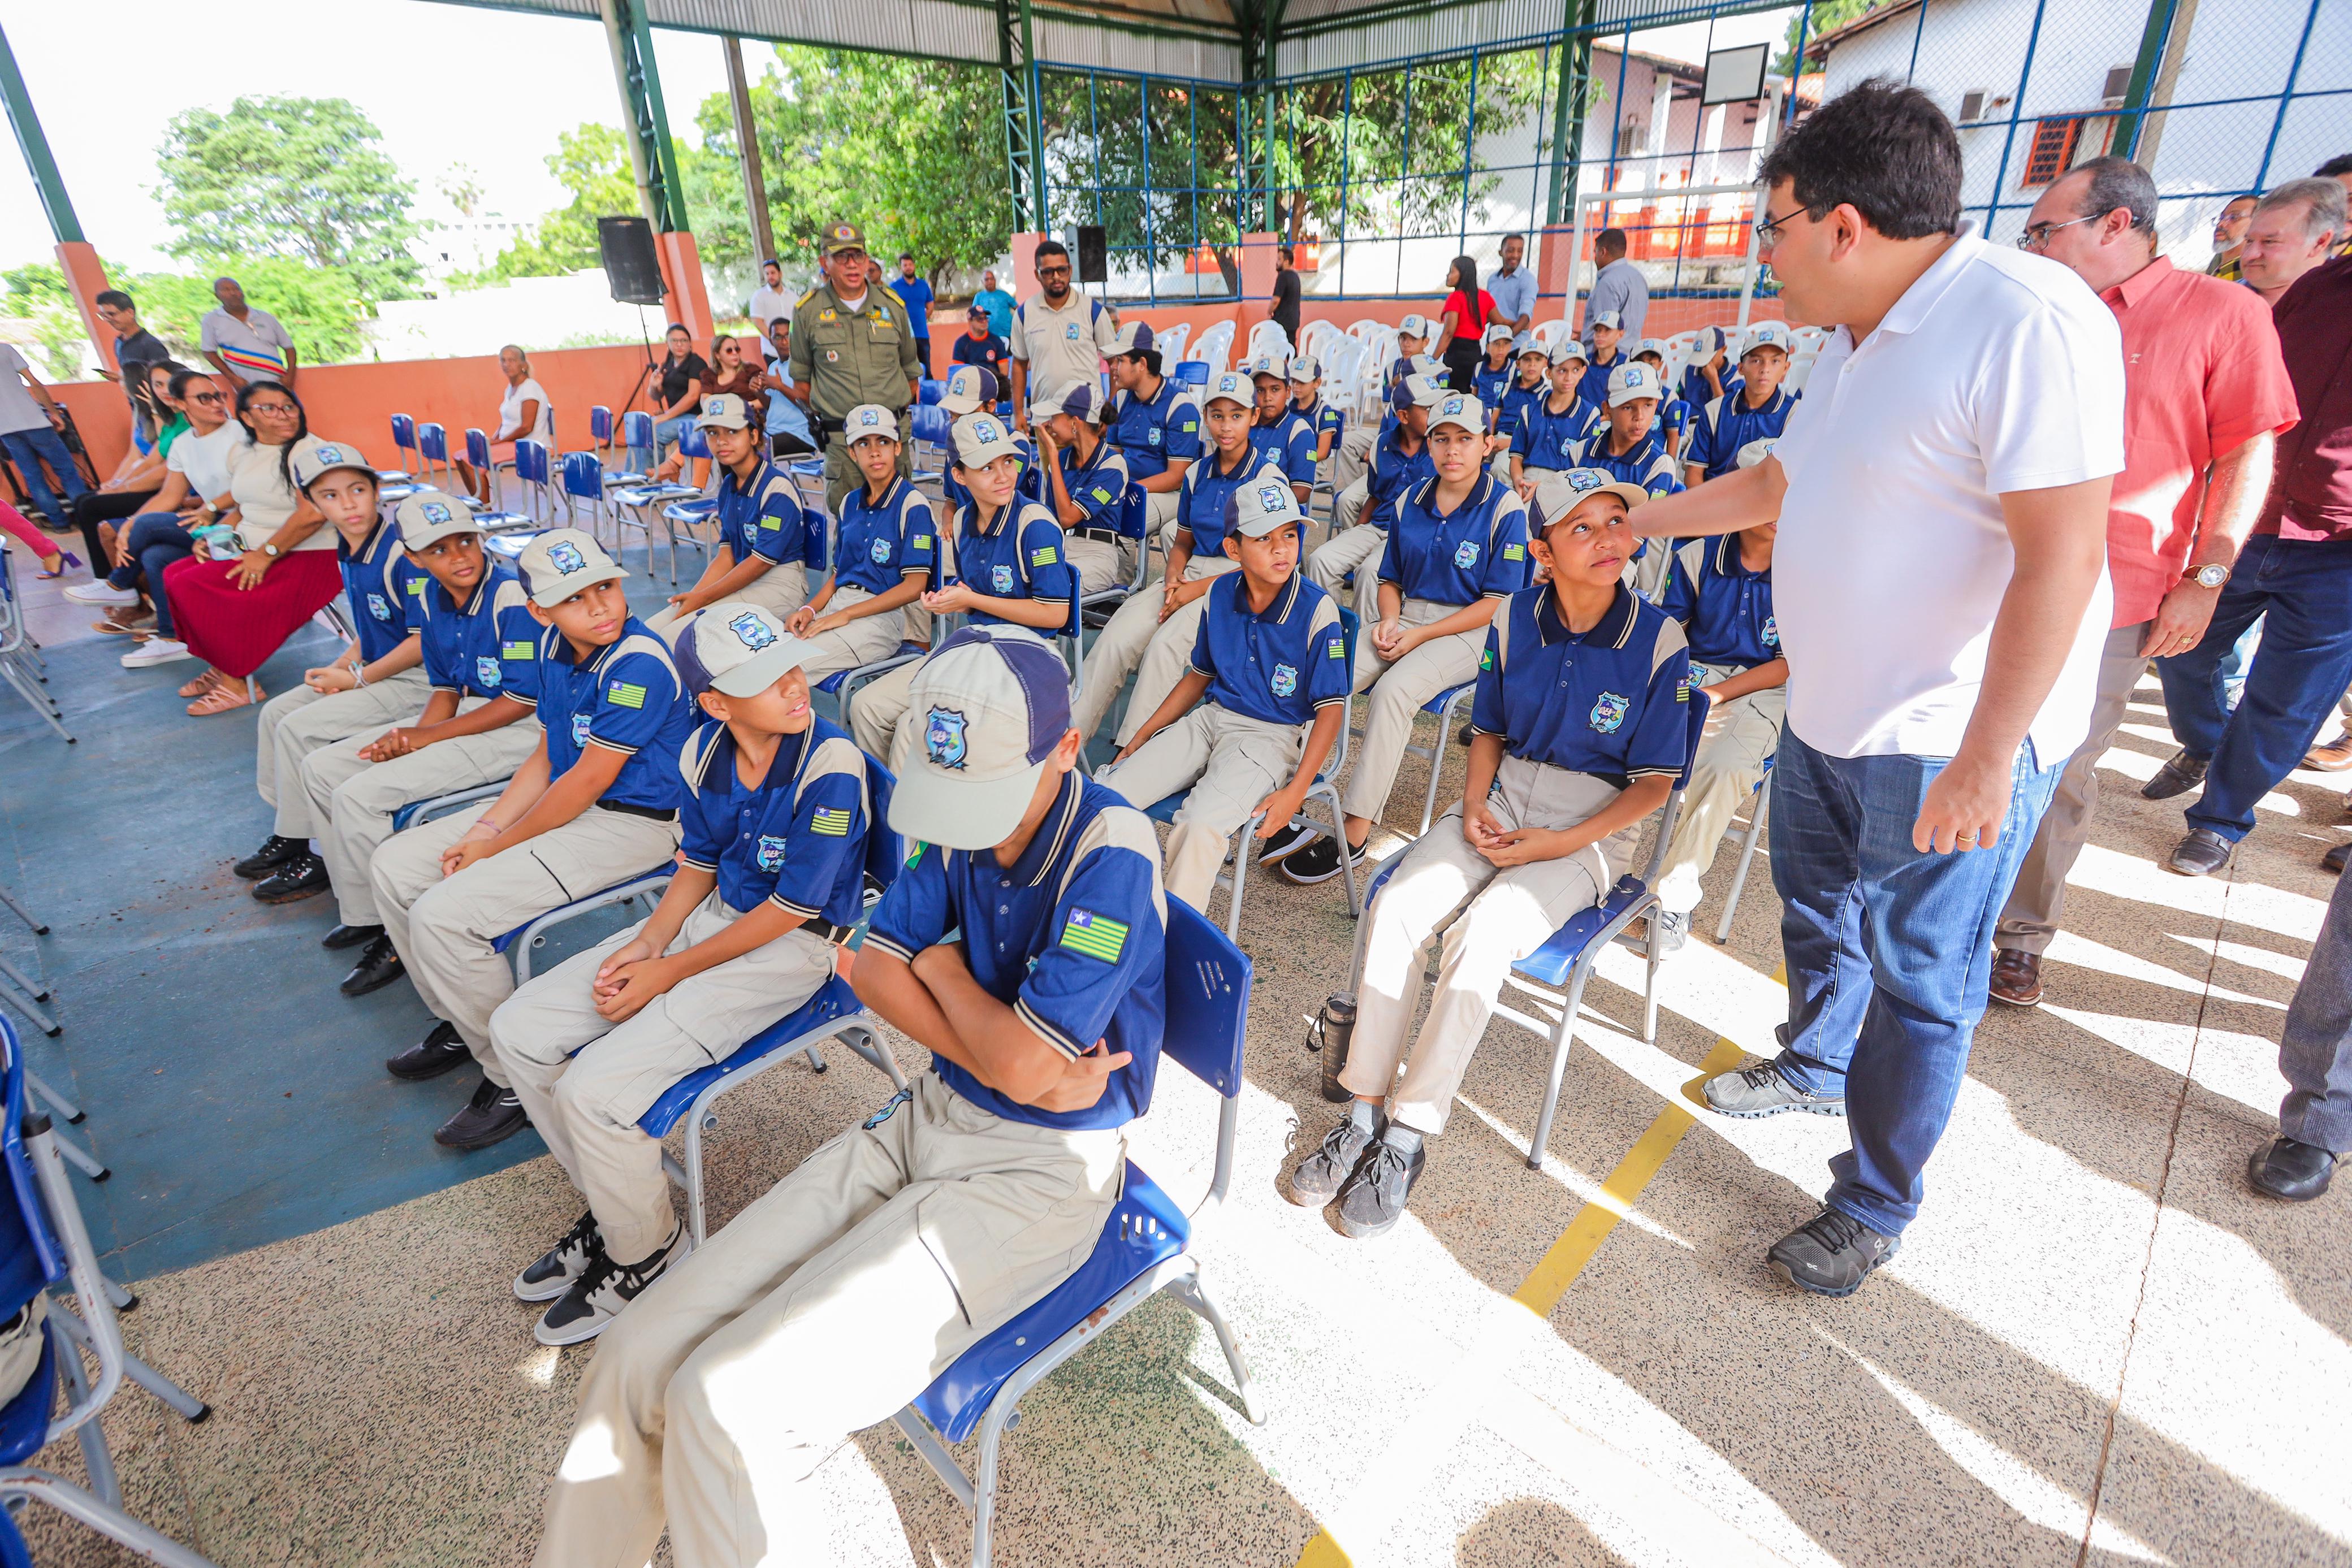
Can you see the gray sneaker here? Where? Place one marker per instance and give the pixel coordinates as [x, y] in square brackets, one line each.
[1373, 1200]
[1831, 1254]
[1760, 1091]
[1318, 1176]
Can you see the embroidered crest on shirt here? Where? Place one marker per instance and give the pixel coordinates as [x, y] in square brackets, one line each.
[1609, 712]
[1286, 680]
[999, 578]
[1096, 935]
[378, 608]
[1772, 632]
[578, 729]
[771, 852]
[486, 671]
[879, 551]
[1466, 553]
[943, 737]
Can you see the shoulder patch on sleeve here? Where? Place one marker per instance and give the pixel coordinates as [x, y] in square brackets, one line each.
[804, 299]
[694, 757]
[1123, 828]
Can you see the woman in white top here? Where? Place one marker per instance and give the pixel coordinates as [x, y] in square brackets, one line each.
[194, 474]
[524, 415]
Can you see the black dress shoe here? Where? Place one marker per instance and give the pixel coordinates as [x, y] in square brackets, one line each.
[2180, 774]
[2202, 853]
[2333, 859]
[2295, 1172]
[304, 876]
[431, 1057]
[274, 852]
[379, 966]
[343, 936]
[492, 1115]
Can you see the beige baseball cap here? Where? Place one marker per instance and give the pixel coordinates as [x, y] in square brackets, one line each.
[428, 517]
[1630, 381]
[991, 705]
[724, 411]
[1562, 490]
[738, 650]
[313, 457]
[561, 561]
[980, 439]
[870, 419]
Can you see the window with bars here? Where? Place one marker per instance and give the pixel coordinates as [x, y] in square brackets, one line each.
[2053, 151]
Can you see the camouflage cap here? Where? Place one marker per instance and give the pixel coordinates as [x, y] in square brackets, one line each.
[839, 237]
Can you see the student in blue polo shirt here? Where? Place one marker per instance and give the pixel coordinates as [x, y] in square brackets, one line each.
[1608, 354]
[1757, 409]
[1628, 446]
[1577, 734]
[1004, 563]
[1529, 386]
[1281, 437]
[1151, 422]
[1401, 460]
[1549, 429]
[969, 389]
[888, 541]
[1709, 373]
[771, 878]
[1674, 415]
[1457, 546]
[1151, 636]
[1720, 589]
[1271, 659]
[1086, 485]
[595, 804]
[764, 535]
[1355, 448]
[1325, 418]
[476, 727]
[1495, 375]
[1023, 946]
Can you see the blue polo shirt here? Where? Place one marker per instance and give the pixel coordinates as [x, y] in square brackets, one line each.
[1725, 426]
[1542, 439]
[1725, 608]
[1030, 487]
[915, 294]
[386, 590]
[797, 839]
[1288, 443]
[1511, 408]
[626, 698]
[764, 518]
[1594, 386]
[1646, 464]
[1611, 702]
[1072, 935]
[1389, 473]
[1478, 551]
[1282, 666]
[882, 541]
[1322, 417]
[1698, 395]
[1151, 433]
[488, 646]
[1490, 383]
[1097, 488]
[1208, 485]
[1019, 554]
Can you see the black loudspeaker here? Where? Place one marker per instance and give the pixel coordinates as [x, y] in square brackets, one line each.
[630, 265]
[1094, 261]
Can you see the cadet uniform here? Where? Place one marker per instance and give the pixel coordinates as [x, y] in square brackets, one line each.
[1646, 463]
[850, 357]
[1063, 344]
[1542, 438]
[1322, 415]
[834, 1299]
[624, 697]
[1393, 471]
[1582, 717]
[1593, 386]
[1727, 425]
[1151, 433]
[761, 518]
[878, 545]
[1288, 443]
[1270, 674]
[796, 839]
[1693, 386]
[1097, 551]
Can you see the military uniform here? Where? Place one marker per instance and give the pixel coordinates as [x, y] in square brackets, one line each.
[849, 357]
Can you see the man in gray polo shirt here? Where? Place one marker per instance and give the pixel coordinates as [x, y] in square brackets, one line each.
[1618, 286]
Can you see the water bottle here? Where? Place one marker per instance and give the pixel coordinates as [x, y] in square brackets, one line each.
[1328, 1035]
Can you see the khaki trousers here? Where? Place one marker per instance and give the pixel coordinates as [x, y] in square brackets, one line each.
[1348, 504]
[1740, 736]
[779, 590]
[818, 1312]
[354, 802]
[1352, 454]
[1137, 642]
[586, 1106]
[864, 641]
[1356, 549]
[1398, 691]
[1160, 509]
[296, 722]
[1102, 565]
[443, 928]
[1504, 915]
[879, 710]
[2030, 919]
[1229, 762]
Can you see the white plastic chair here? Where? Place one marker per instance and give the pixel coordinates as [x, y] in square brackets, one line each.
[1171, 342]
[1268, 340]
[1215, 347]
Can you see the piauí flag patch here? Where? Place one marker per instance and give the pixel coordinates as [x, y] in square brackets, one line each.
[624, 695]
[832, 822]
[1096, 935]
[518, 650]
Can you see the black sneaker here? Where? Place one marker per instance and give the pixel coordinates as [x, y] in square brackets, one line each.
[1315, 1179]
[1760, 1091]
[603, 1291]
[1831, 1254]
[562, 1263]
[343, 936]
[1289, 840]
[431, 1057]
[491, 1116]
[1318, 861]
[2179, 774]
[1373, 1199]
[304, 876]
[274, 852]
[2202, 853]
[379, 966]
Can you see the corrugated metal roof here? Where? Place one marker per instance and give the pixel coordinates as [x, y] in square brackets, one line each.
[1060, 42]
[1428, 32]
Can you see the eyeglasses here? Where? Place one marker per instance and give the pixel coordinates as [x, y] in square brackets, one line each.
[278, 408]
[203, 397]
[1061, 271]
[2036, 237]
[1768, 235]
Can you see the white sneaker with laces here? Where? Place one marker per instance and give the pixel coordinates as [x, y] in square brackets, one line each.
[156, 651]
[101, 592]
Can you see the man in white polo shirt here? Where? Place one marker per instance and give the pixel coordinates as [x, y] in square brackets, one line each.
[1926, 730]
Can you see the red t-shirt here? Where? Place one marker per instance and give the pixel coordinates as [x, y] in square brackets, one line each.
[2312, 498]
[1469, 318]
[2202, 376]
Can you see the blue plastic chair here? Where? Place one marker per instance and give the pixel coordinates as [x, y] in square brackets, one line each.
[1144, 1248]
[638, 440]
[930, 391]
[44, 1248]
[1134, 525]
[1192, 374]
[536, 474]
[434, 467]
[1758, 803]
[1445, 704]
[931, 426]
[493, 519]
[1566, 960]
[403, 441]
[582, 476]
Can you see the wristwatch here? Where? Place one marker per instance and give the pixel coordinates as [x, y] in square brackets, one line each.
[271, 551]
[2211, 575]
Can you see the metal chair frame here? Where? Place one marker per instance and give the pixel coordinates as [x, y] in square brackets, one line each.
[493, 519]
[21, 665]
[1759, 806]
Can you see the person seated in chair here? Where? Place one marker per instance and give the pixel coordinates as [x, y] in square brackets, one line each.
[1547, 431]
[969, 390]
[1271, 659]
[1152, 421]
[475, 725]
[1401, 460]
[1577, 734]
[764, 534]
[1456, 546]
[1496, 372]
[1006, 563]
[595, 804]
[1720, 589]
[1086, 484]
[1529, 386]
[1755, 409]
[770, 880]
[1024, 946]
[1674, 415]
[1283, 438]
[888, 539]
[1608, 328]
[1325, 418]
[977, 345]
[1412, 359]
[1629, 448]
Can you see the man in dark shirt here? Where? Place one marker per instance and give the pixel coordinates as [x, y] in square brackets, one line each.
[1284, 311]
[978, 346]
[135, 349]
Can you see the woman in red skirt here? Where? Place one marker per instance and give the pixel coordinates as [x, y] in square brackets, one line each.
[233, 612]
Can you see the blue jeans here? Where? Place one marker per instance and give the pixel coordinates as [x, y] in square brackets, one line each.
[28, 449]
[2302, 589]
[157, 540]
[1889, 952]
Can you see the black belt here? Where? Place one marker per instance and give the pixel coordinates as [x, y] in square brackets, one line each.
[657, 813]
[824, 930]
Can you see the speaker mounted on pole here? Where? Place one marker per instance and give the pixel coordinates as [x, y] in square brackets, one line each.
[631, 267]
[1093, 258]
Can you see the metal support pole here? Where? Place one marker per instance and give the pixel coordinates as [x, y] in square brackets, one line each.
[1772, 125]
[38, 163]
[2286, 97]
[2153, 39]
[747, 139]
[2016, 107]
[651, 156]
[1024, 143]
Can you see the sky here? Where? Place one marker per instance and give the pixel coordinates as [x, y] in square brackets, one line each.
[447, 85]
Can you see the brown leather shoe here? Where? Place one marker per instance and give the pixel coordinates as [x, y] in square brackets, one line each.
[2016, 978]
[2333, 757]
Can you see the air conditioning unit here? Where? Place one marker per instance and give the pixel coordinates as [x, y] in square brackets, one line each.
[2118, 84]
[1633, 136]
[1972, 104]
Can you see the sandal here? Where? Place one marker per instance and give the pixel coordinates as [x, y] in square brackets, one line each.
[67, 561]
[225, 696]
[141, 626]
[205, 680]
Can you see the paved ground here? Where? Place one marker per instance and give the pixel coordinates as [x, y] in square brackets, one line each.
[2096, 1346]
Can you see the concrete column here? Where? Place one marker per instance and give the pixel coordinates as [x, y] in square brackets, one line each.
[86, 276]
[1259, 257]
[686, 300]
[1556, 271]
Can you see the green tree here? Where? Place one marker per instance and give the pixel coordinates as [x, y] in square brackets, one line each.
[60, 342]
[1824, 15]
[592, 163]
[305, 179]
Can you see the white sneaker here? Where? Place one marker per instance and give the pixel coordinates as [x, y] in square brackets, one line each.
[156, 651]
[101, 592]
